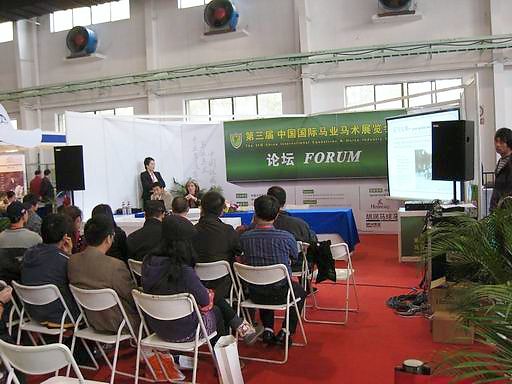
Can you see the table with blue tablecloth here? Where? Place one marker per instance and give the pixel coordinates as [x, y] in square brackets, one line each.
[321, 220]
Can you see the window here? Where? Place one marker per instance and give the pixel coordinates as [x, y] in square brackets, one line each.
[121, 111]
[83, 16]
[419, 94]
[237, 107]
[191, 3]
[6, 32]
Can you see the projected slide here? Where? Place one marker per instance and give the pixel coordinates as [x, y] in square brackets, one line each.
[409, 153]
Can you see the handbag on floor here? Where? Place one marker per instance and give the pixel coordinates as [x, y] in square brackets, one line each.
[226, 353]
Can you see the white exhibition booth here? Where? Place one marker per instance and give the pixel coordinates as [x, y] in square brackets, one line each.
[114, 149]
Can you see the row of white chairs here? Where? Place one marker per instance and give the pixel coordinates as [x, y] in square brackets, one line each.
[345, 275]
[169, 307]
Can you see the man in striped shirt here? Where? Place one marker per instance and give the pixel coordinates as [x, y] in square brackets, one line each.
[265, 245]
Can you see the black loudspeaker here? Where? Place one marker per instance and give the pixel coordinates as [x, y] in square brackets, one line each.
[453, 150]
[69, 168]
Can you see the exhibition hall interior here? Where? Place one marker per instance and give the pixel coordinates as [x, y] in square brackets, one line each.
[255, 191]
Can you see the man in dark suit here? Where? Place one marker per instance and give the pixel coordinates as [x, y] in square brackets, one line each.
[216, 240]
[143, 240]
[93, 269]
[148, 178]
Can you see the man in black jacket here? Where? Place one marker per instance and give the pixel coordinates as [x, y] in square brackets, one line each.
[503, 172]
[143, 240]
[216, 240]
[148, 178]
[295, 225]
[47, 263]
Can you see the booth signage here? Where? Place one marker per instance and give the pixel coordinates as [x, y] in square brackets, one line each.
[348, 145]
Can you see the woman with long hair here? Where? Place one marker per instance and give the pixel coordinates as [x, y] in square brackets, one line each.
[75, 214]
[119, 249]
[192, 194]
[169, 270]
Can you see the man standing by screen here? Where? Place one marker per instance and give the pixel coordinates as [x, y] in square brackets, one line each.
[503, 172]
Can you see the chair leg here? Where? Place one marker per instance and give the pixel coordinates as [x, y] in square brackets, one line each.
[91, 356]
[72, 349]
[345, 308]
[114, 362]
[301, 324]
[18, 338]
[42, 339]
[194, 371]
[137, 364]
[354, 286]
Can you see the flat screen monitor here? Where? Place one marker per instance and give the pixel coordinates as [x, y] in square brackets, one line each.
[409, 156]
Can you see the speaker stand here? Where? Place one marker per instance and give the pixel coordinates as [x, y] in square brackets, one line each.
[72, 197]
[454, 200]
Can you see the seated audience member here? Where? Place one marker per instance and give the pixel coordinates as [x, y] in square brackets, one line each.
[93, 269]
[295, 225]
[168, 271]
[143, 240]
[75, 214]
[3, 203]
[14, 241]
[192, 192]
[266, 245]
[159, 193]
[180, 207]
[10, 197]
[118, 249]
[34, 220]
[185, 232]
[47, 263]
[216, 240]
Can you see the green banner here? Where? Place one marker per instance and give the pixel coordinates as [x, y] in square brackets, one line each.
[347, 145]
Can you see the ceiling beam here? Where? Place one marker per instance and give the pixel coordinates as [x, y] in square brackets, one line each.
[296, 60]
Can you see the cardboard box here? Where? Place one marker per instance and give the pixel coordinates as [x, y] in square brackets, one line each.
[446, 328]
[443, 298]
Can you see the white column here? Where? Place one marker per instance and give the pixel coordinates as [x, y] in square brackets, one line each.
[150, 23]
[27, 70]
[500, 11]
[302, 16]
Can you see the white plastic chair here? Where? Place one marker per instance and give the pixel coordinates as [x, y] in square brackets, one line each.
[167, 308]
[340, 252]
[135, 267]
[304, 273]
[217, 270]
[98, 300]
[266, 275]
[39, 360]
[40, 295]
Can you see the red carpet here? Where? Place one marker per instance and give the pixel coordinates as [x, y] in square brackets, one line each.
[364, 351]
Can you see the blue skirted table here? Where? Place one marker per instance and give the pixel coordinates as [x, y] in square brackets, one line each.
[321, 220]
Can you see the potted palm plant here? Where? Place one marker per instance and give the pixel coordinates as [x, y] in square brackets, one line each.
[480, 252]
